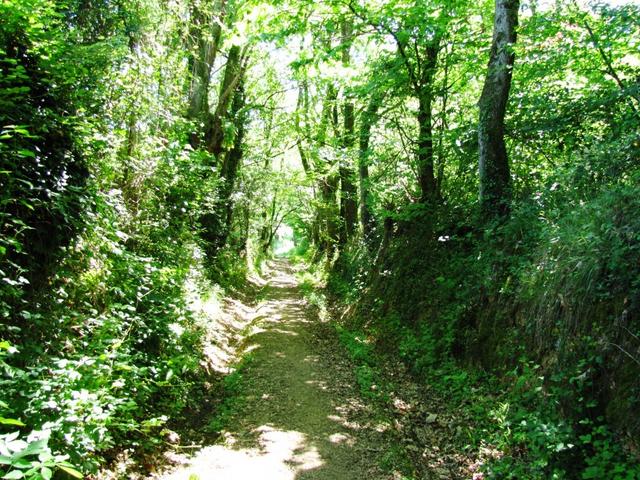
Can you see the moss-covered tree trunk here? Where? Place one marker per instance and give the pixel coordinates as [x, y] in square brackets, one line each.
[206, 33]
[231, 166]
[426, 175]
[214, 135]
[368, 119]
[348, 192]
[495, 177]
[216, 224]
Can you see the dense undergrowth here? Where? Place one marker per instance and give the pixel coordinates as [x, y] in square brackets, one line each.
[100, 346]
[125, 355]
[530, 324]
[148, 155]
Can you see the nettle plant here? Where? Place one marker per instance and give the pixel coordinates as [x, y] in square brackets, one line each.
[26, 456]
[31, 457]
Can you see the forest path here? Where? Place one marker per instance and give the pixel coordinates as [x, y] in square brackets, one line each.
[299, 414]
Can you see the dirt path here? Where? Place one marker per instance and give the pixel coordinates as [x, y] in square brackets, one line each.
[300, 413]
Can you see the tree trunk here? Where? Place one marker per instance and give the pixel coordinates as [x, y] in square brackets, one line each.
[495, 177]
[302, 105]
[369, 118]
[329, 180]
[426, 175]
[207, 40]
[216, 224]
[348, 192]
[214, 136]
[328, 214]
[231, 165]
[387, 236]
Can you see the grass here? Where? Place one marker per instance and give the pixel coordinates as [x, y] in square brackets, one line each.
[233, 396]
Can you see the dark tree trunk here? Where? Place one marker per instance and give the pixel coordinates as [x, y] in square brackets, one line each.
[348, 191]
[495, 177]
[214, 136]
[328, 214]
[369, 118]
[426, 175]
[216, 225]
[329, 180]
[387, 236]
[207, 33]
[302, 105]
[267, 230]
[231, 165]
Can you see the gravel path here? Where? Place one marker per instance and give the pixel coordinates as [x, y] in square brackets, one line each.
[300, 415]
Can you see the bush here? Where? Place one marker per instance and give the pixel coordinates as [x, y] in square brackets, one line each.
[559, 288]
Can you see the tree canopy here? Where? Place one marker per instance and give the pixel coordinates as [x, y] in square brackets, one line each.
[464, 173]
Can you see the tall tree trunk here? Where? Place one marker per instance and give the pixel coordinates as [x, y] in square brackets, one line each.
[367, 121]
[269, 221]
[329, 213]
[207, 33]
[348, 192]
[231, 165]
[329, 181]
[216, 224]
[495, 177]
[301, 107]
[444, 124]
[426, 175]
[214, 136]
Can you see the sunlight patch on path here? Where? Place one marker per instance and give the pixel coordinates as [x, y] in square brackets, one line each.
[281, 455]
[223, 317]
[299, 413]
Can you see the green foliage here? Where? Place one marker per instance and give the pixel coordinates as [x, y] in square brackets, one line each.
[538, 283]
[112, 203]
[395, 460]
[26, 457]
[310, 280]
[232, 402]
[31, 458]
[362, 354]
[110, 359]
[99, 197]
[538, 443]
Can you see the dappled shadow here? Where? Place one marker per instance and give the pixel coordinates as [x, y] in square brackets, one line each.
[227, 319]
[301, 416]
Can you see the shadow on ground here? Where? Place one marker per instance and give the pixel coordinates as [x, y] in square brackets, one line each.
[300, 415]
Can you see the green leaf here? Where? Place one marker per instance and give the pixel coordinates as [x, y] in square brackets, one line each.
[19, 446]
[22, 464]
[34, 448]
[11, 421]
[15, 474]
[46, 473]
[45, 456]
[71, 471]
